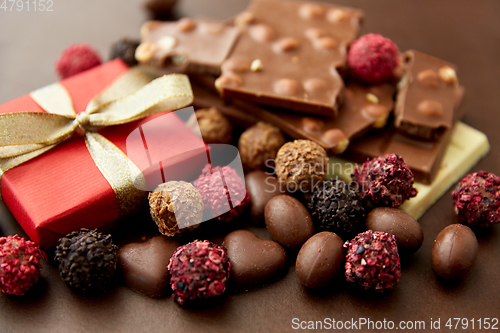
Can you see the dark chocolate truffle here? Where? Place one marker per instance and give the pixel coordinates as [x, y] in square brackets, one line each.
[477, 199]
[199, 269]
[87, 259]
[258, 146]
[385, 181]
[176, 207]
[338, 207]
[213, 125]
[125, 50]
[300, 165]
[372, 260]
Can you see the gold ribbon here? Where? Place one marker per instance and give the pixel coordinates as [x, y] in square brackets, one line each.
[26, 135]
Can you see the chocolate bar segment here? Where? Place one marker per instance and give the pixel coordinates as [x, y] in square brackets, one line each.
[197, 46]
[429, 93]
[288, 54]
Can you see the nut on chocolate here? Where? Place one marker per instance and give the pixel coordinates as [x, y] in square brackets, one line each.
[301, 164]
[258, 146]
[172, 201]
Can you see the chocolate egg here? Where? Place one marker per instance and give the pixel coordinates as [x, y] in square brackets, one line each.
[261, 188]
[454, 252]
[288, 221]
[319, 259]
[254, 262]
[408, 232]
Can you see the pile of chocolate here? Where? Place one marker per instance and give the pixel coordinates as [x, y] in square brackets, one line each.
[293, 77]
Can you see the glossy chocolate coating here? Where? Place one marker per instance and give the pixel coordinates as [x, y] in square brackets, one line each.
[288, 221]
[254, 262]
[319, 259]
[144, 265]
[454, 252]
[408, 232]
[261, 188]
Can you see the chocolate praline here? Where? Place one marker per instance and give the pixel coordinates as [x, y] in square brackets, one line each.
[258, 146]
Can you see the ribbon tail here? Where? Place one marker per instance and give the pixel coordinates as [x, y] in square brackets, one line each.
[119, 171]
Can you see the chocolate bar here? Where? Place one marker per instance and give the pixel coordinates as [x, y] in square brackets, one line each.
[429, 93]
[198, 46]
[288, 54]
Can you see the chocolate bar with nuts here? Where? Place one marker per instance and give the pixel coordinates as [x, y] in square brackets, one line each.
[288, 54]
[197, 46]
[429, 93]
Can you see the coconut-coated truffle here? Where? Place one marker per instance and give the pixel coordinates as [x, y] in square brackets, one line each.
[75, 59]
[477, 199]
[213, 125]
[373, 58]
[87, 259]
[19, 265]
[176, 202]
[385, 181]
[258, 145]
[198, 270]
[223, 192]
[301, 164]
[337, 207]
[372, 260]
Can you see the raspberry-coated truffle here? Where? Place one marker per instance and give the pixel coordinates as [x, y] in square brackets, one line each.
[477, 199]
[87, 259]
[338, 207]
[76, 59]
[213, 125]
[372, 260]
[258, 145]
[176, 202]
[373, 58]
[300, 165]
[199, 269]
[385, 181]
[125, 50]
[19, 265]
[224, 197]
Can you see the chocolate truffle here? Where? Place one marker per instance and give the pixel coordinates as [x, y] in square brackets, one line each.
[288, 221]
[19, 265]
[454, 252]
[213, 125]
[300, 165]
[338, 207]
[385, 181]
[199, 269]
[87, 259]
[372, 261]
[373, 58]
[176, 202]
[319, 259]
[477, 199]
[223, 192]
[261, 187]
[258, 146]
[125, 50]
[408, 232]
[144, 265]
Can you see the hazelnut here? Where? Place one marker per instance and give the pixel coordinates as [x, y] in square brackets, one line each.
[428, 78]
[315, 33]
[261, 32]
[256, 65]
[236, 65]
[227, 80]
[326, 43]
[213, 28]
[186, 24]
[286, 44]
[286, 87]
[338, 138]
[372, 98]
[148, 26]
[337, 15]
[166, 43]
[145, 51]
[315, 85]
[430, 108]
[312, 125]
[448, 75]
[311, 11]
[244, 19]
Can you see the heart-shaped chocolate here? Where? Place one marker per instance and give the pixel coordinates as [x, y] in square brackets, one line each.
[144, 265]
[254, 262]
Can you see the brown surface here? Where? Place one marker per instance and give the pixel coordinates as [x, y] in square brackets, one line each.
[465, 33]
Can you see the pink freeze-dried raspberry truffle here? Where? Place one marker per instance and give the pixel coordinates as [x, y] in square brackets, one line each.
[372, 260]
[76, 59]
[477, 199]
[198, 270]
[373, 58]
[19, 265]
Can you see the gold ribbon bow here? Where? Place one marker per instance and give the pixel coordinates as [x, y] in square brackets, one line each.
[26, 135]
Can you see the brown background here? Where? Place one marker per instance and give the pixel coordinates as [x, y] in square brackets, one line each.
[463, 32]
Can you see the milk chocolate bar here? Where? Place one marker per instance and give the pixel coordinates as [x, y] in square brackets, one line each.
[288, 54]
[429, 93]
[198, 46]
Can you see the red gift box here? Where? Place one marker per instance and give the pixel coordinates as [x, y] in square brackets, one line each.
[63, 190]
